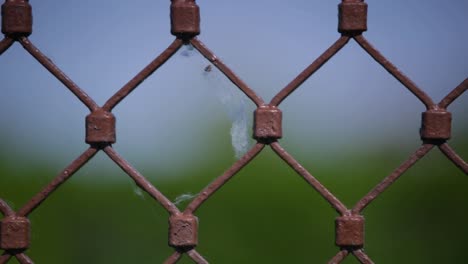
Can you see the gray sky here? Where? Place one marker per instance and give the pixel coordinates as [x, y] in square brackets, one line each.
[101, 45]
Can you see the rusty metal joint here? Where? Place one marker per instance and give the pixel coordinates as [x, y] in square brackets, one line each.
[15, 233]
[352, 17]
[349, 231]
[183, 232]
[100, 128]
[436, 126]
[267, 124]
[185, 19]
[16, 19]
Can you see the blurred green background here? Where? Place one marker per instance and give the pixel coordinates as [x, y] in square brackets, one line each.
[266, 214]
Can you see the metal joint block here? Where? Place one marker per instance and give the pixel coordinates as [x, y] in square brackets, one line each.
[14, 233]
[349, 231]
[268, 123]
[100, 127]
[185, 19]
[352, 17]
[183, 231]
[16, 18]
[436, 125]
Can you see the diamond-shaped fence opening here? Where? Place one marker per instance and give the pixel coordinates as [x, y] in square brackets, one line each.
[353, 103]
[97, 225]
[416, 203]
[163, 107]
[45, 94]
[184, 223]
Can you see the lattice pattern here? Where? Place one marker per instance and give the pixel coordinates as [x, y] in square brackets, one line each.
[183, 225]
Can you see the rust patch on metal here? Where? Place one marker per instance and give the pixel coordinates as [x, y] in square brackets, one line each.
[16, 18]
[183, 231]
[14, 233]
[352, 17]
[349, 231]
[436, 125]
[268, 123]
[100, 128]
[185, 19]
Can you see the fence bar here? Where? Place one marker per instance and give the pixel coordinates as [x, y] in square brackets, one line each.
[61, 76]
[5, 257]
[23, 259]
[362, 257]
[5, 44]
[193, 254]
[5, 209]
[304, 75]
[210, 56]
[141, 181]
[142, 75]
[61, 178]
[389, 180]
[453, 156]
[393, 70]
[335, 203]
[339, 257]
[173, 258]
[454, 94]
[223, 179]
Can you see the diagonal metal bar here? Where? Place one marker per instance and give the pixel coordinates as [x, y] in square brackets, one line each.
[5, 209]
[5, 44]
[214, 186]
[453, 156]
[389, 180]
[339, 257]
[173, 258]
[311, 69]
[223, 179]
[61, 76]
[57, 181]
[324, 192]
[209, 55]
[141, 181]
[454, 94]
[5, 257]
[393, 70]
[142, 75]
[23, 259]
[362, 257]
[195, 256]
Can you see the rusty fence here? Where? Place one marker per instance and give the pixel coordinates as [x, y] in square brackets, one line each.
[435, 130]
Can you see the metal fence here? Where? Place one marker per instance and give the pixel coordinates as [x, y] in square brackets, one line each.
[435, 130]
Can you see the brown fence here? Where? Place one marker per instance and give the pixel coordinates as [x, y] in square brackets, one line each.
[435, 130]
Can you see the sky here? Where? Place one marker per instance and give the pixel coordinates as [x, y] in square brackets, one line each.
[350, 101]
